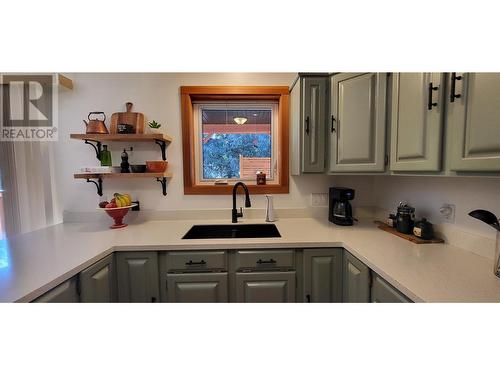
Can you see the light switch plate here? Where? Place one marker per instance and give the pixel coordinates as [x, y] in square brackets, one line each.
[319, 199]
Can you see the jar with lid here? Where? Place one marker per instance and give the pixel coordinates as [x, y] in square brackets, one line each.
[405, 218]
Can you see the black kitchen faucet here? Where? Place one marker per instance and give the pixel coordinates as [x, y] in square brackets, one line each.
[235, 213]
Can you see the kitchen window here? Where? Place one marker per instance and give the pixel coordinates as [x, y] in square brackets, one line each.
[232, 133]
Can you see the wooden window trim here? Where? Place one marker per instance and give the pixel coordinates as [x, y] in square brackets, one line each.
[192, 93]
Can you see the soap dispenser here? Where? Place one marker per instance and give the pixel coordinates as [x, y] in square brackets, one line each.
[270, 209]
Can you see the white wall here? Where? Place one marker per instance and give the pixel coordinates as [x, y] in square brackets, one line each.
[427, 194]
[157, 96]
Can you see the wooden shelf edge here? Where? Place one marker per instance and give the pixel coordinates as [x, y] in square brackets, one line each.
[122, 137]
[122, 175]
[65, 81]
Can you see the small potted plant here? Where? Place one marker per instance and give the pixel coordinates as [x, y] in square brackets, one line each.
[154, 127]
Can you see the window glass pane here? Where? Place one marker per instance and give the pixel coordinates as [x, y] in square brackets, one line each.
[236, 143]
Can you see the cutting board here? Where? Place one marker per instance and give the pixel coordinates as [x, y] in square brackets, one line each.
[136, 119]
[409, 237]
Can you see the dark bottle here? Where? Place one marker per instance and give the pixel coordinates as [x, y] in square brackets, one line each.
[423, 229]
[105, 157]
[125, 166]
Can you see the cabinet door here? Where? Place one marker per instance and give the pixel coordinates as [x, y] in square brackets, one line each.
[98, 282]
[382, 291]
[473, 124]
[265, 287]
[357, 122]
[416, 121]
[314, 101]
[356, 280]
[323, 275]
[137, 276]
[65, 292]
[201, 287]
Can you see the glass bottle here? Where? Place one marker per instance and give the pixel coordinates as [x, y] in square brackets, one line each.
[105, 157]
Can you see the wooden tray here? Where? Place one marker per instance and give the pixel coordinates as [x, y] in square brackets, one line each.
[136, 119]
[408, 237]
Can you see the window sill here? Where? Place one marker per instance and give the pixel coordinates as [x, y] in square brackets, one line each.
[228, 189]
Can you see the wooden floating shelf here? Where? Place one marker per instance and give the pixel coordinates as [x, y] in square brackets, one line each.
[123, 175]
[90, 177]
[96, 178]
[122, 137]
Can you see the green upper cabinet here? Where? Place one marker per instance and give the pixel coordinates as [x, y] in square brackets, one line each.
[357, 122]
[137, 276]
[309, 102]
[322, 275]
[417, 121]
[473, 122]
[356, 280]
[98, 282]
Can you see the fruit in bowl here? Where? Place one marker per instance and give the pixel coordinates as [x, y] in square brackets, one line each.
[117, 208]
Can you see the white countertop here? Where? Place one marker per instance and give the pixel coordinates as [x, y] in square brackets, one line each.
[36, 262]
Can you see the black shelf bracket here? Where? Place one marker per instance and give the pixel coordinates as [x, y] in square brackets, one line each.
[97, 147]
[163, 182]
[98, 184]
[163, 146]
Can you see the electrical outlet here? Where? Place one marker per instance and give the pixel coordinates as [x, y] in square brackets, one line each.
[448, 213]
[319, 199]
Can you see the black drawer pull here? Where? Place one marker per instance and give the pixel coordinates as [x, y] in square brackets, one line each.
[153, 299]
[270, 261]
[453, 83]
[430, 103]
[333, 121]
[191, 263]
[307, 125]
[308, 298]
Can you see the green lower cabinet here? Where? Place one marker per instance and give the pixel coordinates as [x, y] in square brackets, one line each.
[137, 275]
[65, 292]
[382, 291]
[356, 280]
[322, 275]
[197, 287]
[265, 286]
[98, 282]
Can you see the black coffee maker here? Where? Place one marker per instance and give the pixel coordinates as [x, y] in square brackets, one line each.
[340, 210]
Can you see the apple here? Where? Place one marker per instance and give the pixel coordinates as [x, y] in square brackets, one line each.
[103, 204]
[111, 205]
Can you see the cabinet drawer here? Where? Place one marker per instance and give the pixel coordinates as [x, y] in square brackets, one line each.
[262, 260]
[195, 261]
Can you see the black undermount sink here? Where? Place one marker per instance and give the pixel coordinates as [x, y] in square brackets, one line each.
[232, 231]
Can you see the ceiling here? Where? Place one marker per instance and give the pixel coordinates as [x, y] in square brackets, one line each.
[222, 116]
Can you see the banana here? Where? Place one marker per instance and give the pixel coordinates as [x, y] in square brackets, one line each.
[123, 200]
[129, 199]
